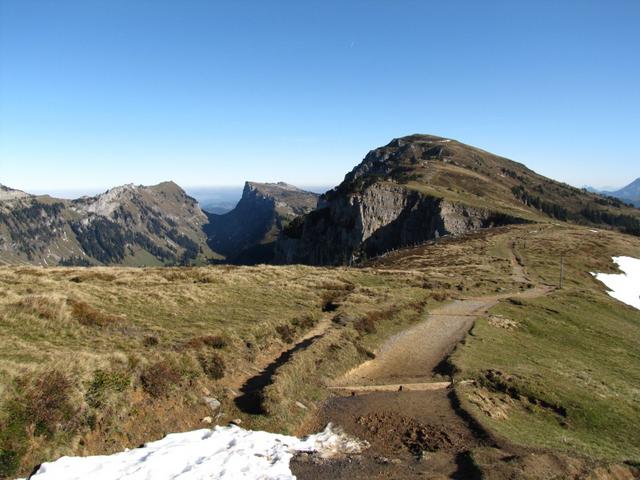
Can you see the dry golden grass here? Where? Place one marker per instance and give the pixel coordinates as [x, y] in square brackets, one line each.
[134, 342]
[114, 332]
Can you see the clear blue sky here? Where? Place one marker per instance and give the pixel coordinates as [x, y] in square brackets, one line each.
[98, 93]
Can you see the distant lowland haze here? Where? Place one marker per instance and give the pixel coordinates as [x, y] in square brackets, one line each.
[212, 199]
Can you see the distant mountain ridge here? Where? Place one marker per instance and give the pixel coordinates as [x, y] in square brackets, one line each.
[413, 189]
[134, 225]
[247, 234]
[630, 193]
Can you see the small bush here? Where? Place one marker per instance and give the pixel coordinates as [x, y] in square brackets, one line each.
[342, 319]
[330, 301]
[102, 384]
[285, 332]
[42, 401]
[158, 378]
[304, 322]
[13, 438]
[365, 324]
[85, 314]
[214, 341]
[211, 341]
[439, 296]
[9, 462]
[150, 341]
[212, 365]
[364, 352]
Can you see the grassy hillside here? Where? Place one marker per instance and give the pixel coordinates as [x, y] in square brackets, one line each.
[96, 360]
[560, 371]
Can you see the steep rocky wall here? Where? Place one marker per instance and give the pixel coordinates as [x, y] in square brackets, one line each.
[381, 218]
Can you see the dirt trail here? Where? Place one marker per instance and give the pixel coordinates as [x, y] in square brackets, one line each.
[396, 402]
[412, 355]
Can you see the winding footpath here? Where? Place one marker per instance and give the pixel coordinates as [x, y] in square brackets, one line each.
[411, 356]
[398, 401]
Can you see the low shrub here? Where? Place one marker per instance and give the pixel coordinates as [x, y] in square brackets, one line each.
[46, 401]
[212, 365]
[103, 383]
[304, 322]
[285, 332]
[365, 324]
[42, 406]
[158, 378]
[87, 315]
[212, 341]
[13, 438]
[9, 462]
[330, 300]
[364, 352]
[439, 296]
[150, 341]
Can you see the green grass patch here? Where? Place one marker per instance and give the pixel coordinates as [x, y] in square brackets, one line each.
[570, 368]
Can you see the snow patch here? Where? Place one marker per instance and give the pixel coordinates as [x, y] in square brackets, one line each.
[222, 453]
[624, 286]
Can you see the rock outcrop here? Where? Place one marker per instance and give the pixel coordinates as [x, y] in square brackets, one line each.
[421, 187]
[246, 235]
[382, 217]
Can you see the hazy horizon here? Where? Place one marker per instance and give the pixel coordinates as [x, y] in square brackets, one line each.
[74, 193]
[193, 190]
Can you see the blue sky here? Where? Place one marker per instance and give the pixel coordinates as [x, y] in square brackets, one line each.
[95, 93]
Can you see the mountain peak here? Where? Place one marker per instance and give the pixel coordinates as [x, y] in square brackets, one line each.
[630, 193]
[246, 233]
[421, 187]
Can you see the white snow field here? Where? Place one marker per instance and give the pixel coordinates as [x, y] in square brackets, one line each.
[222, 453]
[624, 286]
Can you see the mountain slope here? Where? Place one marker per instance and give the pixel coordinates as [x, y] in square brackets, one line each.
[630, 193]
[248, 232]
[421, 187]
[133, 225]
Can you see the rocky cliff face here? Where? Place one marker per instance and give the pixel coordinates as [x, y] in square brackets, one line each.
[247, 234]
[134, 225]
[420, 187]
[382, 217]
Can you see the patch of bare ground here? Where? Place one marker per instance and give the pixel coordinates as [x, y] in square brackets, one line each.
[412, 435]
